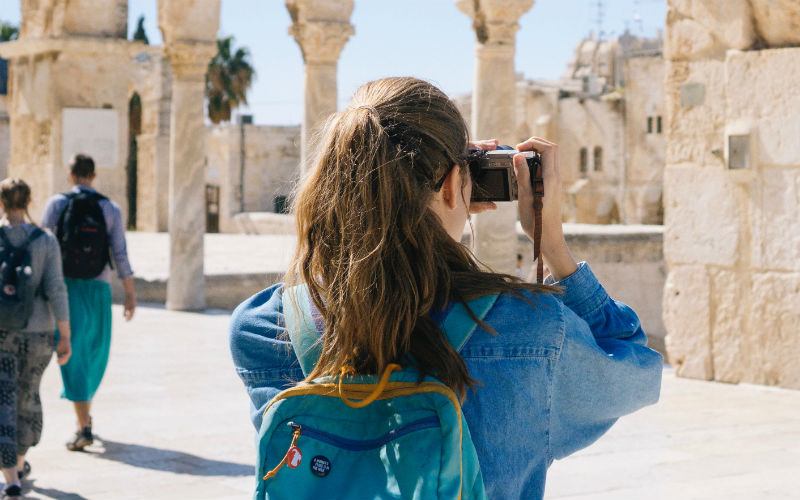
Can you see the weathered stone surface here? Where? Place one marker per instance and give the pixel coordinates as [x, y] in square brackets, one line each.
[695, 132]
[687, 39]
[728, 24]
[702, 217]
[779, 219]
[730, 325]
[271, 167]
[774, 339]
[762, 88]
[101, 18]
[687, 320]
[778, 21]
[188, 20]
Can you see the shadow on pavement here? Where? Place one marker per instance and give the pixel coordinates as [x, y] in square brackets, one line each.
[49, 493]
[147, 457]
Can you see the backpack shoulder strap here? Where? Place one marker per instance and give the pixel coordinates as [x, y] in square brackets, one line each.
[34, 234]
[300, 326]
[458, 325]
[4, 237]
[299, 316]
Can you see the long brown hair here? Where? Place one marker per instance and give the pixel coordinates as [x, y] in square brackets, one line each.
[375, 257]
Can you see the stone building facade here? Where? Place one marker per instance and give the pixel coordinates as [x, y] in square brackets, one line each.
[271, 157]
[732, 197]
[607, 117]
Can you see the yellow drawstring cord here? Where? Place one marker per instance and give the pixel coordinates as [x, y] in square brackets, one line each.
[283, 462]
[392, 367]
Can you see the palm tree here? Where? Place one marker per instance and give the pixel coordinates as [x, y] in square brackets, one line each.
[8, 32]
[228, 79]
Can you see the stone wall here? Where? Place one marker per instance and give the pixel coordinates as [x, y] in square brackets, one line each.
[50, 77]
[271, 167]
[644, 141]
[732, 191]
[5, 135]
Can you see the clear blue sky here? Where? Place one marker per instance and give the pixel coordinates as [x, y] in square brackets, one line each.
[430, 39]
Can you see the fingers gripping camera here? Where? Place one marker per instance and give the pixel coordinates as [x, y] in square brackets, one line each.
[493, 176]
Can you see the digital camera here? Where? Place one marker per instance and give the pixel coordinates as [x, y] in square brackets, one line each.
[492, 173]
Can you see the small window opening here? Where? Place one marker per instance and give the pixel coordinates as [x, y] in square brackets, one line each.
[598, 158]
[649, 124]
[584, 167]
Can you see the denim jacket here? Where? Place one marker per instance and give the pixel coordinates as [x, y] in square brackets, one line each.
[557, 375]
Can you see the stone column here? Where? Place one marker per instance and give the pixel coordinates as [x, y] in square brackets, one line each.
[189, 29]
[321, 29]
[187, 211]
[495, 24]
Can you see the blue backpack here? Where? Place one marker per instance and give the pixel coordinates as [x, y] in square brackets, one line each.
[17, 289]
[362, 437]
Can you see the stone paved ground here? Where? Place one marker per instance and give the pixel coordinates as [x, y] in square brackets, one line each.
[172, 420]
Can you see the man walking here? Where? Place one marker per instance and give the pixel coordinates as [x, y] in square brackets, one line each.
[89, 229]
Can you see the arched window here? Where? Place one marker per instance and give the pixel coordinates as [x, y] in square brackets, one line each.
[584, 165]
[598, 158]
[658, 125]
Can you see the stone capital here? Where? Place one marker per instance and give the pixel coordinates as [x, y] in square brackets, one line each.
[189, 60]
[321, 42]
[495, 21]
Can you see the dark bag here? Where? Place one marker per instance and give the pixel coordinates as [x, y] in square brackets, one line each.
[16, 288]
[83, 236]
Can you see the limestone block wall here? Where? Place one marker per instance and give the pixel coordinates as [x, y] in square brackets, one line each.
[47, 76]
[644, 141]
[271, 167]
[732, 236]
[5, 135]
[55, 18]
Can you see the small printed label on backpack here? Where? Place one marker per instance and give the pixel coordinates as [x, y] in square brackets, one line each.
[320, 466]
[293, 457]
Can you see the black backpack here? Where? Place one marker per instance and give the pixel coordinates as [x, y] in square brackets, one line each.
[16, 289]
[83, 236]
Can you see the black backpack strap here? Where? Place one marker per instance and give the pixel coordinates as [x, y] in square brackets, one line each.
[4, 237]
[34, 234]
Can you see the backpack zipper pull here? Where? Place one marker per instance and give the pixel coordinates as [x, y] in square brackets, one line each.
[293, 454]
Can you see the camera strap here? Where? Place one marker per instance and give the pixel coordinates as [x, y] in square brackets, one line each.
[537, 183]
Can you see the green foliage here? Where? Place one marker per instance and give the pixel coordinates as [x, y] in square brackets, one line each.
[139, 34]
[8, 32]
[229, 77]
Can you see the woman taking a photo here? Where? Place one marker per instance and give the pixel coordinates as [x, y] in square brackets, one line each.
[26, 343]
[379, 224]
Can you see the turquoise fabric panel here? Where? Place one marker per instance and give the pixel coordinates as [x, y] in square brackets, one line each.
[90, 322]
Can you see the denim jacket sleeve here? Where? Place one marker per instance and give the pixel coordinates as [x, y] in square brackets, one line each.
[604, 370]
[262, 354]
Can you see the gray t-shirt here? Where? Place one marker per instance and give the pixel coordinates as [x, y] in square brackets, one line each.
[47, 277]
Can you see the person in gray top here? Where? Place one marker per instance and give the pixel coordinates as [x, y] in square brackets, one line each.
[89, 289]
[25, 353]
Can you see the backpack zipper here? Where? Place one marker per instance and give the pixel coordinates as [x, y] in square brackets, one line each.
[368, 444]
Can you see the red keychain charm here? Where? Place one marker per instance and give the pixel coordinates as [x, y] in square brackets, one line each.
[293, 457]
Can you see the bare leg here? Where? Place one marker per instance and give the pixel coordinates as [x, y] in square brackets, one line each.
[82, 409]
[10, 475]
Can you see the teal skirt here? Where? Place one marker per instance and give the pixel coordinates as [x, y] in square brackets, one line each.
[90, 322]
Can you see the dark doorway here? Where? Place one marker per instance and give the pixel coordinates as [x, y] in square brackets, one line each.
[131, 168]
